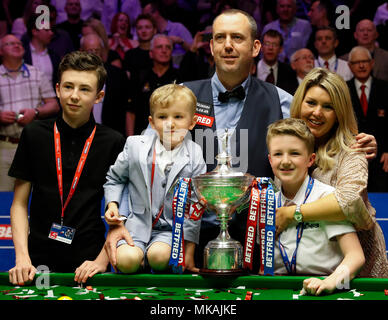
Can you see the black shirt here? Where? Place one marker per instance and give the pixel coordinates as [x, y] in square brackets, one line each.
[146, 84]
[35, 162]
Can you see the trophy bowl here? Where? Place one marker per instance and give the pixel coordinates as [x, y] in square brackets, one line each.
[224, 190]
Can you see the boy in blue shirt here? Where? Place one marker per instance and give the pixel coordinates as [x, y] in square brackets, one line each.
[314, 247]
[148, 166]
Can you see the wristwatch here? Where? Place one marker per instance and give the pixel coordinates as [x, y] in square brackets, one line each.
[36, 113]
[298, 217]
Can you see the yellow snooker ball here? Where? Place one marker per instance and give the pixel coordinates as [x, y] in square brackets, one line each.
[65, 298]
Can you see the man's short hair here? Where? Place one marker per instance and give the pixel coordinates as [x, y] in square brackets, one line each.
[274, 34]
[145, 17]
[327, 28]
[165, 95]
[292, 127]
[251, 20]
[83, 61]
[359, 48]
[160, 35]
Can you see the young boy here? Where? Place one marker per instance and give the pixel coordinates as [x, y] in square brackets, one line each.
[148, 167]
[325, 248]
[46, 165]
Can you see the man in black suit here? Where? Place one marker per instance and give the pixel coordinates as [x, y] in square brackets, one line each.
[113, 110]
[269, 68]
[370, 103]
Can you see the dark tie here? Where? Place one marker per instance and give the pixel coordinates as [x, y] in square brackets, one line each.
[270, 78]
[363, 100]
[238, 93]
[327, 64]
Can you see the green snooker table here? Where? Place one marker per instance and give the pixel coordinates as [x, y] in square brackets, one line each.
[182, 287]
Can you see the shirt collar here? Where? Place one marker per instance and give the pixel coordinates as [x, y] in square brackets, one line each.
[267, 67]
[42, 53]
[330, 61]
[299, 197]
[82, 132]
[368, 83]
[216, 84]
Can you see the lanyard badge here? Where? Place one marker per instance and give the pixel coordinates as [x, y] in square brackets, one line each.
[61, 232]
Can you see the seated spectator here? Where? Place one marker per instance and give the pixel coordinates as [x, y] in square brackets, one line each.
[366, 36]
[26, 94]
[178, 33]
[112, 109]
[138, 59]
[269, 68]
[94, 26]
[370, 102]
[302, 62]
[131, 7]
[294, 31]
[73, 24]
[325, 43]
[321, 14]
[198, 63]
[19, 26]
[121, 40]
[148, 80]
[37, 52]
[90, 8]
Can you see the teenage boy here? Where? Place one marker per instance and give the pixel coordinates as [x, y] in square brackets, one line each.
[148, 166]
[315, 248]
[62, 164]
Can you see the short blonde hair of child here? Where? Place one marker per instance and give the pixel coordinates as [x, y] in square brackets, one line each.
[342, 136]
[292, 127]
[166, 95]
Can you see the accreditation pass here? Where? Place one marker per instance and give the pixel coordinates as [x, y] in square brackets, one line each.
[61, 233]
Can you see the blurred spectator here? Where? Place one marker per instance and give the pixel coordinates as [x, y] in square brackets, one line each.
[61, 42]
[178, 33]
[94, 26]
[381, 15]
[73, 24]
[302, 62]
[112, 111]
[209, 9]
[159, 74]
[19, 26]
[322, 15]
[302, 9]
[325, 43]
[131, 7]
[138, 59]
[370, 103]
[198, 63]
[366, 36]
[26, 94]
[90, 8]
[37, 52]
[121, 40]
[295, 31]
[269, 68]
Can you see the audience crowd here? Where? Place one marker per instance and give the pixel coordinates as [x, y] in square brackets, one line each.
[147, 44]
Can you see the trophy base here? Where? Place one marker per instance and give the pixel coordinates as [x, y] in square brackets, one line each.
[222, 272]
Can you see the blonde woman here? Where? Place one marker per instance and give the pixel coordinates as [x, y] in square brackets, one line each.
[323, 102]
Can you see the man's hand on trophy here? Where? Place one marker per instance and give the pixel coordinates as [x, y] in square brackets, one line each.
[284, 216]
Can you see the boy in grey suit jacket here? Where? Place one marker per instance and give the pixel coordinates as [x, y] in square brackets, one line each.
[147, 168]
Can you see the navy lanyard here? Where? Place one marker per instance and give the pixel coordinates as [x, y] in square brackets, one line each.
[291, 267]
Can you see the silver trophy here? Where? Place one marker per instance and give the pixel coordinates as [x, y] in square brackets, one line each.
[225, 190]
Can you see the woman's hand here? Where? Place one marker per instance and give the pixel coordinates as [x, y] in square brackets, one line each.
[366, 143]
[284, 216]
